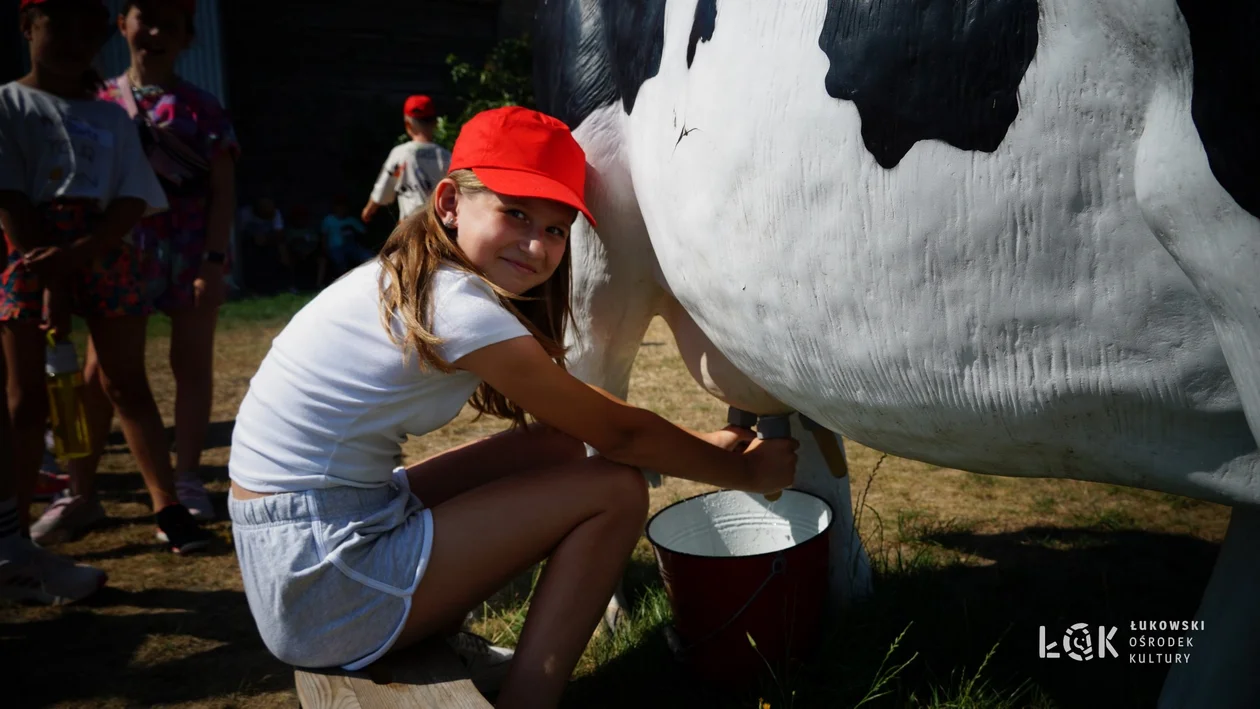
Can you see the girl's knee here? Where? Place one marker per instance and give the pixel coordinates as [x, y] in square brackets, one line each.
[129, 393]
[627, 488]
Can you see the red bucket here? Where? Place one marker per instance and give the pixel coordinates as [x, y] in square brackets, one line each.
[736, 565]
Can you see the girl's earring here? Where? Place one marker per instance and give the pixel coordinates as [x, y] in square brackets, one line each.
[449, 223]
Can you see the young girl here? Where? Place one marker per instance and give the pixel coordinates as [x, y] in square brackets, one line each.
[184, 247]
[344, 560]
[73, 183]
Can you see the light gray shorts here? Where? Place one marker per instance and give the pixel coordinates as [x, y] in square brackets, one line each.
[329, 573]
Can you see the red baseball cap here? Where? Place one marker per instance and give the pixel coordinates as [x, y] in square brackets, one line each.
[419, 106]
[523, 153]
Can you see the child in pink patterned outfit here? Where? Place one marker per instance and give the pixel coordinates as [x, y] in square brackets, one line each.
[179, 239]
[192, 147]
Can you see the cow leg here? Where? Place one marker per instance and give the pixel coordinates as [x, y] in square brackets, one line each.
[850, 568]
[1217, 243]
[1221, 672]
[615, 291]
[612, 309]
[1209, 234]
[850, 573]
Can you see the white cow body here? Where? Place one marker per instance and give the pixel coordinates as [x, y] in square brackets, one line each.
[1080, 302]
[1006, 313]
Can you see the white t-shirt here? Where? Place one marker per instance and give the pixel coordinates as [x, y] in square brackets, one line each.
[411, 172]
[55, 148]
[334, 399]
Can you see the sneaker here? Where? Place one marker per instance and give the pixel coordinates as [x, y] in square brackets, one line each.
[66, 519]
[31, 573]
[49, 485]
[179, 531]
[192, 494]
[486, 664]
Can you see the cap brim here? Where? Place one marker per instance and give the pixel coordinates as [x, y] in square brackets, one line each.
[518, 183]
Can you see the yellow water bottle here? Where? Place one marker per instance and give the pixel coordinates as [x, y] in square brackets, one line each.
[65, 398]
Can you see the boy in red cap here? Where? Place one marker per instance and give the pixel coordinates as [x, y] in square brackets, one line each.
[345, 556]
[413, 168]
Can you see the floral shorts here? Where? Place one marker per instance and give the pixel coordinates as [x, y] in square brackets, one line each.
[174, 245]
[111, 286]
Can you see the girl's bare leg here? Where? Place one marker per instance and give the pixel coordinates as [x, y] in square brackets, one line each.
[192, 363]
[99, 414]
[23, 344]
[119, 344]
[584, 517]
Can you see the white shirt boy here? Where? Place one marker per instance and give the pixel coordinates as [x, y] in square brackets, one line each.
[410, 173]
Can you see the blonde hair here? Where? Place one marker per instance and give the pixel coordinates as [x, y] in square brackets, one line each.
[415, 250]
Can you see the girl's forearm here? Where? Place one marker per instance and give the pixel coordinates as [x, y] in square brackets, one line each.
[666, 448]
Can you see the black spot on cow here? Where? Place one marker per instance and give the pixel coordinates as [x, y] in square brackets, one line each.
[929, 69]
[589, 53]
[702, 27]
[1226, 103]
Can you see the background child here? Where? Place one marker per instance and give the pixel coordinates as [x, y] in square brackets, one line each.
[266, 265]
[339, 232]
[192, 148]
[304, 245]
[343, 559]
[73, 182]
[413, 168]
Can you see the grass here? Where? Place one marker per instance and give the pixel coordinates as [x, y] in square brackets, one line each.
[966, 568]
[244, 313]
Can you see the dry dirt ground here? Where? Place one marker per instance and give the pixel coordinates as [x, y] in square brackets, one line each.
[171, 631]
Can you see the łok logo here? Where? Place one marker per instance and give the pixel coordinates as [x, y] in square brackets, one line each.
[1078, 643]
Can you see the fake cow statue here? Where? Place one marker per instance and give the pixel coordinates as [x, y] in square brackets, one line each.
[1018, 237]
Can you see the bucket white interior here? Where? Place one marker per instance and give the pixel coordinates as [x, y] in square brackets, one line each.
[731, 523]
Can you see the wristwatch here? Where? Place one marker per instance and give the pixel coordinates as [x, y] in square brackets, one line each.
[215, 257]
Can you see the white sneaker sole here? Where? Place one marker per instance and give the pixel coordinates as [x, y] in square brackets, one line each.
[201, 515]
[67, 533]
[188, 548]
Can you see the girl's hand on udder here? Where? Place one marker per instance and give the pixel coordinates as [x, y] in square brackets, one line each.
[771, 464]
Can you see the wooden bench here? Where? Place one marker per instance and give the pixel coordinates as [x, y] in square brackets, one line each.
[428, 676]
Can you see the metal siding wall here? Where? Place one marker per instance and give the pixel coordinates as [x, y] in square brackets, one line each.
[202, 64]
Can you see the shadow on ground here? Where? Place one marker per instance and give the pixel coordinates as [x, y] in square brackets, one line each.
[164, 646]
[956, 613]
[97, 651]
